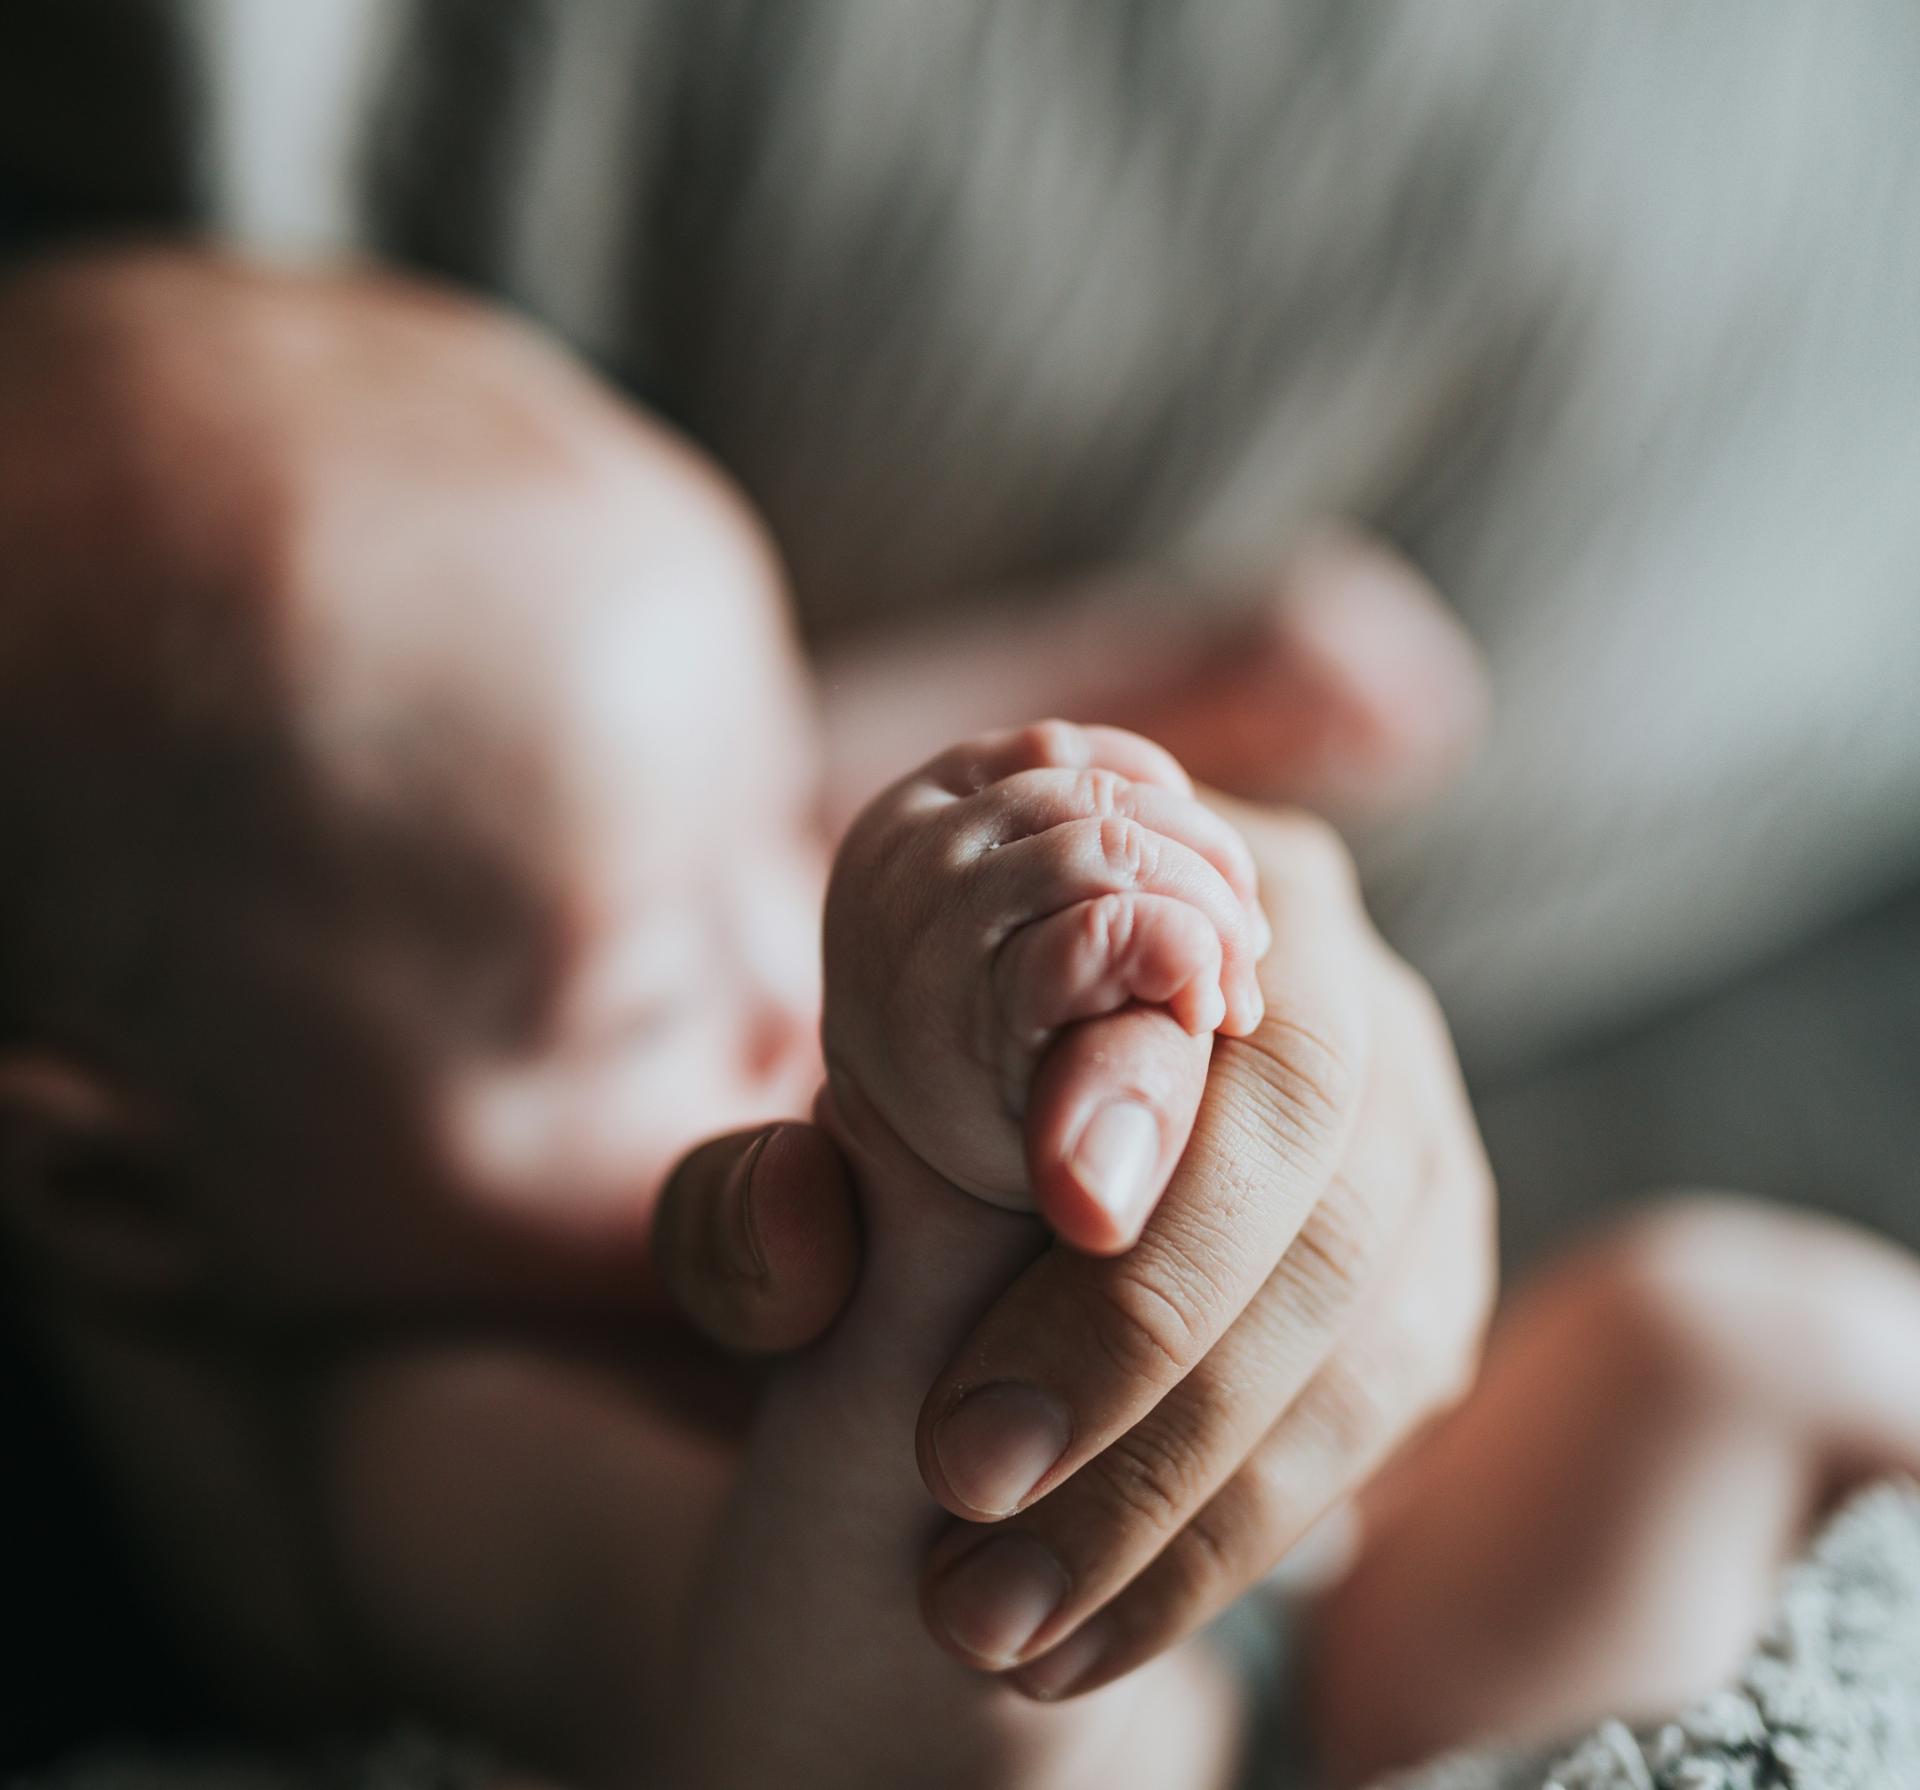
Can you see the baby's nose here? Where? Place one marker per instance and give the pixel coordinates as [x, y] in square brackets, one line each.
[782, 1046]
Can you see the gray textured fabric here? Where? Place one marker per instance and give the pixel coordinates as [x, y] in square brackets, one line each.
[1605, 313]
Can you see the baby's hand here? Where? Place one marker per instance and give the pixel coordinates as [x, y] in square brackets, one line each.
[1017, 886]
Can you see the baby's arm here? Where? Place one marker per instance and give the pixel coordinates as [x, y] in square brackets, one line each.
[978, 908]
[1598, 1530]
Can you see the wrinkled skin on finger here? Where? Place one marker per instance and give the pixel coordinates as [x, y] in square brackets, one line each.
[1311, 1290]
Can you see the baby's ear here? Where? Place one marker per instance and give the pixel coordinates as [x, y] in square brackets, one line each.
[89, 1195]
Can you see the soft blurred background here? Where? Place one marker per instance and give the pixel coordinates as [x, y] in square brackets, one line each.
[1608, 318]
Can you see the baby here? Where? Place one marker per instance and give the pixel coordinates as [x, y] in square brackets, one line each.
[1594, 1532]
[397, 886]
[988, 919]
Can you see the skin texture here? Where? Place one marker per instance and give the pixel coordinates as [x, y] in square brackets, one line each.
[1665, 1417]
[1015, 886]
[343, 506]
[329, 1163]
[1337, 682]
[808, 1623]
[1309, 1292]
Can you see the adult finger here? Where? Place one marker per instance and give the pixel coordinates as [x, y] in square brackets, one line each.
[756, 1239]
[1097, 1531]
[1108, 1116]
[1407, 1355]
[1348, 686]
[1080, 1349]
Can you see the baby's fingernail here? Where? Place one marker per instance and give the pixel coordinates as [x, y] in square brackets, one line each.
[997, 1444]
[1054, 1674]
[1115, 1159]
[1262, 931]
[994, 1601]
[1255, 1008]
[1211, 1014]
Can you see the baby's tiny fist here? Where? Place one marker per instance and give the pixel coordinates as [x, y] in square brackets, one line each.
[1054, 880]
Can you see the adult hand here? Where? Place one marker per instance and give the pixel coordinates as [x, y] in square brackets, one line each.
[1158, 1428]
[1338, 682]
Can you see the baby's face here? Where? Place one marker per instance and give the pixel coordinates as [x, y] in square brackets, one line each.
[589, 930]
[686, 875]
[440, 820]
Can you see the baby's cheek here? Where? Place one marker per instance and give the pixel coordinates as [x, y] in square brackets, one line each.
[586, 1146]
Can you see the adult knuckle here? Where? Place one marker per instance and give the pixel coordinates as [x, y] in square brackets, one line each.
[1343, 1237]
[1304, 1083]
[1265, 1508]
[1419, 1005]
[1407, 1375]
[1141, 1328]
[1359, 1410]
[1454, 1371]
[1209, 1560]
[1149, 1481]
[1313, 849]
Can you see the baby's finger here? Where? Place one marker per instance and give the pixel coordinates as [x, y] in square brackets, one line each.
[1085, 859]
[1094, 959]
[965, 769]
[1032, 802]
[1108, 1117]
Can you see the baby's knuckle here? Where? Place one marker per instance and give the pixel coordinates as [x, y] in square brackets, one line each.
[1099, 792]
[1126, 849]
[1052, 743]
[1107, 927]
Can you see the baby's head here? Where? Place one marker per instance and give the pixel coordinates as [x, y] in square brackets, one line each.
[405, 798]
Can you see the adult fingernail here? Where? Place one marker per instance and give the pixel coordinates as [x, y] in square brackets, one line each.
[994, 1601]
[750, 1254]
[1115, 1159]
[1055, 1674]
[998, 1443]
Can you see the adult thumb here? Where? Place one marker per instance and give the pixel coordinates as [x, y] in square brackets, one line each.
[1345, 686]
[756, 1239]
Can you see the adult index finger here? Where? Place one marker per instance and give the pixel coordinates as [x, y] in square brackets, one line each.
[1079, 1349]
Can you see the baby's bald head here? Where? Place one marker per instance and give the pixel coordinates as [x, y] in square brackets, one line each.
[341, 630]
